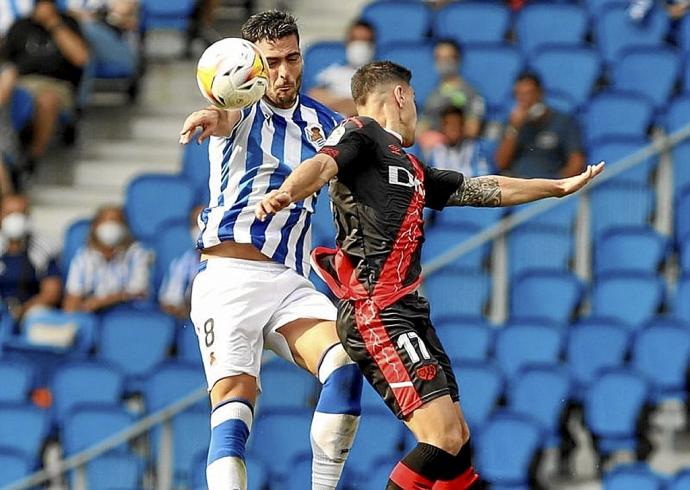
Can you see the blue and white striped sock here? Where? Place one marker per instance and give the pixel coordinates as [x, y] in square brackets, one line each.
[231, 422]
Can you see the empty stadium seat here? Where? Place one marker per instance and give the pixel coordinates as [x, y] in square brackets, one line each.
[614, 150]
[379, 437]
[541, 392]
[541, 24]
[650, 71]
[441, 240]
[662, 353]
[683, 34]
[412, 20]
[17, 381]
[319, 56]
[24, 429]
[75, 238]
[377, 477]
[454, 293]
[538, 247]
[371, 400]
[162, 14]
[77, 383]
[22, 108]
[484, 382]
[524, 343]
[135, 341]
[492, 71]
[505, 449]
[196, 167]
[595, 6]
[188, 344]
[595, 344]
[681, 304]
[549, 295]
[560, 102]
[613, 405]
[121, 471]
[630, 249]
[680, 481]
[170, 382]
[562, 215]
[466, 339]
[677, 116]
[82, 325]
[631, 297]
[152, 199]
[472, 22]
[573, 71]
[617, 114]
[683, 217]
[456, 216]
[615, 31]
[92, 424]
[283, 385]
[636, 476]
[685, 256]
[15, 466]
[616, 204]
[419, 58]
[171, 241]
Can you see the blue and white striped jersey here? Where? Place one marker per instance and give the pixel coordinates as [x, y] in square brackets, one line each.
[264, 147]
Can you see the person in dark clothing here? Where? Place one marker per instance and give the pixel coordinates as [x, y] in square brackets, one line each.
[378, 193]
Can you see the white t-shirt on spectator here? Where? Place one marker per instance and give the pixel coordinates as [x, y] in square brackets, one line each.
[336, 79]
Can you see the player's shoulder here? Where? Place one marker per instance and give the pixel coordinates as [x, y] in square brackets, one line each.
[361, 123]
[322, 111]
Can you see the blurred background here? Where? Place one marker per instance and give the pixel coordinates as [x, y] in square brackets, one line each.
[568, 321]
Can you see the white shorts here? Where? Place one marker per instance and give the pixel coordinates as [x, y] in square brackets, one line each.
[237, 306]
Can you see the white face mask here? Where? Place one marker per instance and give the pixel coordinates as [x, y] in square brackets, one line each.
[111, 233]
[15, 226]
[359, 53]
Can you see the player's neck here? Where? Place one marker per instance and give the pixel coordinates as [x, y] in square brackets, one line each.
[381, 112]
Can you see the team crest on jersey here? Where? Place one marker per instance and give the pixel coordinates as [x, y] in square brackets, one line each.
[315, 135]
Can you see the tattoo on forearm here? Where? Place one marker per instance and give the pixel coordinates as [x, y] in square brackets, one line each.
[477, 191]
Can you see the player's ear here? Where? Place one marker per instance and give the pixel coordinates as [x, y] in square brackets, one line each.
[399, 94]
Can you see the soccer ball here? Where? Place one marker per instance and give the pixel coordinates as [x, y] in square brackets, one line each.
[232, 73]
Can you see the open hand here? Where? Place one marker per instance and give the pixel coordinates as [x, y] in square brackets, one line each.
[577, 182]
[206, 119]
[272, 202]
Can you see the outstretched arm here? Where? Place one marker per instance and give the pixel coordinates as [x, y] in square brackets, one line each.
[495, 190]
[212, 121]
[308, 178]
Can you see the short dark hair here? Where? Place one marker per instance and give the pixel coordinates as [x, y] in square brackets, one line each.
[362, 23]
[452, 110]
[529, 76]
[451, 42]
[371, 75]
[270, 25]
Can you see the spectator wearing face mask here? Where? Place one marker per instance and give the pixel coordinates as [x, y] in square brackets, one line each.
[112, 269]
[29, 275]
[333, 87]
[539, 141]
[175, 295]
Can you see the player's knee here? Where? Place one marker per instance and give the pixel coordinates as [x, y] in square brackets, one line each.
[342, 383]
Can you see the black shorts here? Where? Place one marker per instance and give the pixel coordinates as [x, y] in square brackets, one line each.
[398, 352]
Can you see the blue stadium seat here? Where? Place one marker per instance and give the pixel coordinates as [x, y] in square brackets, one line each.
[650, 71]
[135, 341]
[630, 297]
[538, 247]
[323, 226]
[91, 382]
[196, 167]
[662, 353]
[492, 71]
[472, 22]
[595, 6]
[614, 31]
[613, 405]
[630, 249]
[75, 238]
[283, 385]
[505, 449]
[685, 256]
[485, 383]
[456, 216]
[617, 114]
[24, 429]
[571, 70]
[22, 108]
[549, 295]
[412, 20]
[681, 481]
[171, 381]
[377, 477]
[371, 400]
[542, 392]
[454, 293]
[287, 429]
[379, 436]
[170, 241]
[319, 56]
[541, 24]
[614, 150]
[91, 424]
[120, 471]
[683, 217]
[441, 240]
[560, 216]
[84, 325]
[594, 344]
[560, 102]
[418, 57]
[17, 380]
[524, 343]
[155, 198]
[188, 344]
[15, 466]
[617, 204]
[163, 14]
[636, 476]
[466, 339]
[681, 304]
[677, 116]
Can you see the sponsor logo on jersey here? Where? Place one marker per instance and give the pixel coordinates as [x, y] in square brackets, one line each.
[402, 176]
[427, 372]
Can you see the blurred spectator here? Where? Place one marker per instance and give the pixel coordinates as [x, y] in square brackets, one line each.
[676, 9]
[29, 275]
[9, 144]
[112, 269]
[11, 11]
[50, 53]
[539, 142]
[176, 291]
[334, 82]
[458, 153]
[201, 25]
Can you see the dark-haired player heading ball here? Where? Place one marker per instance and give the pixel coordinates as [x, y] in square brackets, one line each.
[379, 193]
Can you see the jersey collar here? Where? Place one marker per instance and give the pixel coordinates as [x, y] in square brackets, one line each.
[396, 134]
[281, 112]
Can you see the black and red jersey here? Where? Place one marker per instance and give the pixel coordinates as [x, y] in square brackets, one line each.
[378, 200]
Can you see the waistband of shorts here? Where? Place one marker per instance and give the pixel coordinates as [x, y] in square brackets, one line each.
[242, 264]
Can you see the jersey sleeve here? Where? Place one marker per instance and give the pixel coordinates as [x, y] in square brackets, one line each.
[347, 144]
[440, 185]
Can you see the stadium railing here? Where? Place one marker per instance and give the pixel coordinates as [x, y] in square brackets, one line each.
[498, 310]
